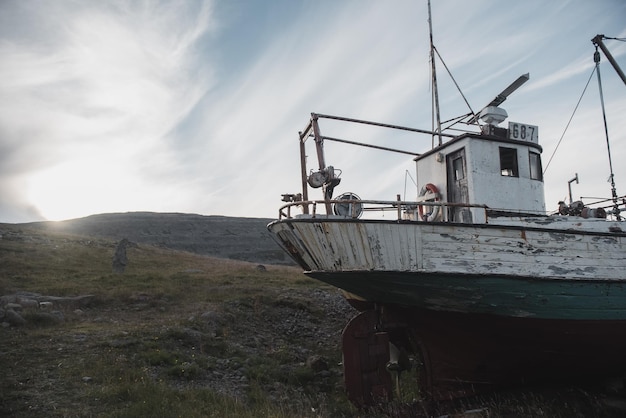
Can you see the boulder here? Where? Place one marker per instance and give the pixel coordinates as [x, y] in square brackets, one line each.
[120, 259]
[28, 303]
[13, 318]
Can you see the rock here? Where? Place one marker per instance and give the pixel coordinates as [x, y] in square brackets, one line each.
[28, 303]
[212, 322]
[13, 306]
[83, 300]
[13, 318]
[261, 267]
[6, 299]
[316, 363]
[59, 315]
[45, 305]
[210, 316]
[190, 337]
[120, 260]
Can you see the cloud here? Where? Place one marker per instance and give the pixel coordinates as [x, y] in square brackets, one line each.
[95, 92]
[249, 130]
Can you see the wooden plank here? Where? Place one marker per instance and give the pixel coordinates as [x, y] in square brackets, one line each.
[345, 246]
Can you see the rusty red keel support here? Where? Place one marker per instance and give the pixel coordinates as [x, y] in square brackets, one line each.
[457, 355]
[365, 356]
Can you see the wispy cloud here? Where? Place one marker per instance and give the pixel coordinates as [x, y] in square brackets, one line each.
[94, 90]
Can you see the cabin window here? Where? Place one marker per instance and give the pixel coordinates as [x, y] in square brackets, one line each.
[535, 166]
[508, 162]
[457, 166]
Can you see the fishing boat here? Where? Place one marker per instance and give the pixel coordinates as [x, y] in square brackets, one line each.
[472, 283]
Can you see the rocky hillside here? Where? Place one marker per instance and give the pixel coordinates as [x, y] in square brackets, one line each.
[245, 239]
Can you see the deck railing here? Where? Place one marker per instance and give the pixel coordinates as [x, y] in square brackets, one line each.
[375, 209]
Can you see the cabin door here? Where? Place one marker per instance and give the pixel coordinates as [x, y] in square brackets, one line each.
[457, 187]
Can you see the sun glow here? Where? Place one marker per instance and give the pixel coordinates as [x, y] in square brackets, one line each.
[79, 188]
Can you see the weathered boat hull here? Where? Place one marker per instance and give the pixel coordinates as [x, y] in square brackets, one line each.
[551, 248]
[484, 305]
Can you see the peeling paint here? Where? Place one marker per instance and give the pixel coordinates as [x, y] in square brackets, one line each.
[561, 237]
[605, 240]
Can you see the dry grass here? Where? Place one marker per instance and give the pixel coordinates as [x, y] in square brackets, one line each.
[140, 348]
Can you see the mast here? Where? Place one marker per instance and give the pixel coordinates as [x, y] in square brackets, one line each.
[597, 41]
[434, 79]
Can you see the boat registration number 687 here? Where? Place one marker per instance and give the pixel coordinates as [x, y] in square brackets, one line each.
[523, 132]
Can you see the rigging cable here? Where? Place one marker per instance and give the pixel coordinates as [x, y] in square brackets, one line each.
[407, 174]
[456, 84]
[569, 121]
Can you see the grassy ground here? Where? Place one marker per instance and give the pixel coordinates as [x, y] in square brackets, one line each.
[176, 334]
[183, 335]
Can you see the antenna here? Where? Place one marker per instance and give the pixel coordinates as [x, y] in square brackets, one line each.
[500, 98]
[434, 77]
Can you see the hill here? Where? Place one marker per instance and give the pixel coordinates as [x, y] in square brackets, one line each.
[245, 239]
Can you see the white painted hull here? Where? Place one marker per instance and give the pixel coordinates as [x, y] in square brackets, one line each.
[551, 248]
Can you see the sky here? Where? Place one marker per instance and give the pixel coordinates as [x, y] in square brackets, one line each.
[195, 106]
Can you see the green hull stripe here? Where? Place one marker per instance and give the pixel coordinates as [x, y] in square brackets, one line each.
[505, 296]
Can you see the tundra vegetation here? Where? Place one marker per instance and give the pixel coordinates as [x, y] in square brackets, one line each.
[178, 334]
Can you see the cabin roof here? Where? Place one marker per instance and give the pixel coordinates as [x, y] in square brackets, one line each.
[482, 137]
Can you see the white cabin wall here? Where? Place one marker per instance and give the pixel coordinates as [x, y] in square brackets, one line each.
[429, 170]
[486, 184]
[504, 192]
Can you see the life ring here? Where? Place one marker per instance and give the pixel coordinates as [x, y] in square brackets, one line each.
[435, 211]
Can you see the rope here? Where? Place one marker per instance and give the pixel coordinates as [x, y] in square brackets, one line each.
[455, 83]
[569, 121]
[407, 174]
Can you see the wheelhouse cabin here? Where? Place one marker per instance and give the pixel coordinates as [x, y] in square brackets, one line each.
[498, 170]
